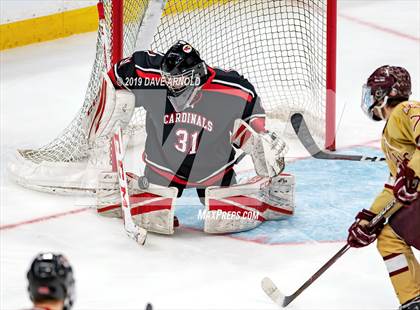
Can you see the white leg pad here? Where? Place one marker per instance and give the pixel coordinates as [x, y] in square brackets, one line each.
[245, 206]
[108, 197]
[280, 197]
[151, 208]
[154, 209]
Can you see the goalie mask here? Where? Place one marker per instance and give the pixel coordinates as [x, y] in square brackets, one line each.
[51, 278]
[385, 84]
[183, 72]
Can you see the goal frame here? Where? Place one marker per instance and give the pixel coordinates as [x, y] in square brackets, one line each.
[72, 162]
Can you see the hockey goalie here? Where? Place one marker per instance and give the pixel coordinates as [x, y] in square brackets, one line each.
[198, 119]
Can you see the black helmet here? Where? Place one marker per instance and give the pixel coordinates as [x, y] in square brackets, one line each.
[51, 278]
[183, 72]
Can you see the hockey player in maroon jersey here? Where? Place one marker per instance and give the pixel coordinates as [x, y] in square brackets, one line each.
[51, 282]
[197, 117]
[386, 97]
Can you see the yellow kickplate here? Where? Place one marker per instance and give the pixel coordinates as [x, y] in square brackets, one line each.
[48, 27]
[180, 6]
[64, 24]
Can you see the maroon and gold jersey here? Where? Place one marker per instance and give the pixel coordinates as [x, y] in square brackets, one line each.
[400, 140]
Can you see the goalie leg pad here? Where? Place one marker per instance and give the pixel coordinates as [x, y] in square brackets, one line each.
[245, 206]
[279, 195]
[108, 197]
[151, 208]
[228, 216]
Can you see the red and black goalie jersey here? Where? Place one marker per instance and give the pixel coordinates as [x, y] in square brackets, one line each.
[191, 147]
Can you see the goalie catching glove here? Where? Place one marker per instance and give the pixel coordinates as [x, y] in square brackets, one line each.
[267, 149]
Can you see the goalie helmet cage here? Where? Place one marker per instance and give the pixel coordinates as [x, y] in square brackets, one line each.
[287, 49]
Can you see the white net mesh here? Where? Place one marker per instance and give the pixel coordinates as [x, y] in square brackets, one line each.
[280, 46]
[72, 144]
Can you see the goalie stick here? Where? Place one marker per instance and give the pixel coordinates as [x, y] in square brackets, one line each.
[134, 231]
[282, 300]
[302, 131]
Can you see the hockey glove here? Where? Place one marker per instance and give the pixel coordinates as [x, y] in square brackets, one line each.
[360, 234]
[406, 183]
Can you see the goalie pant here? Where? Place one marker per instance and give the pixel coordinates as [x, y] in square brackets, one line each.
[228, 179]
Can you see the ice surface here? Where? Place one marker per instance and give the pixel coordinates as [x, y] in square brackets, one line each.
[42, 87]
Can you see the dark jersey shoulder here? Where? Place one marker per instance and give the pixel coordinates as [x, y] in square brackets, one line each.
[234, 79]
[148, 59]
[140, 70]
[235, 85]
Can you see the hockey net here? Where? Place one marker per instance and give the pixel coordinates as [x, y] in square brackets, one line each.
[285, 48]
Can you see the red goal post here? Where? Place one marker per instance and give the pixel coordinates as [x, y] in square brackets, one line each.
[331, 75]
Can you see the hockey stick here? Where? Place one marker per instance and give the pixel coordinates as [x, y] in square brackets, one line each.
[301, 129]
[282, 300]
[134, 231]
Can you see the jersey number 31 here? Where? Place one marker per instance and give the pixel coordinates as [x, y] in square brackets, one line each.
[186, 142]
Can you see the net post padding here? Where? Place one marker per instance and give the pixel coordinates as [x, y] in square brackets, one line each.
[330, 122]
[117, 30]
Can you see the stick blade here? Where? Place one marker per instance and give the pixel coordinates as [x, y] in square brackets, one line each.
[272, 291]
[296, 120]
[305, 137]
[141, 236]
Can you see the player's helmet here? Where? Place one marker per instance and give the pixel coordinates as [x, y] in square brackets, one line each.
[386, 85]
[183, 72]
[51, 278]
